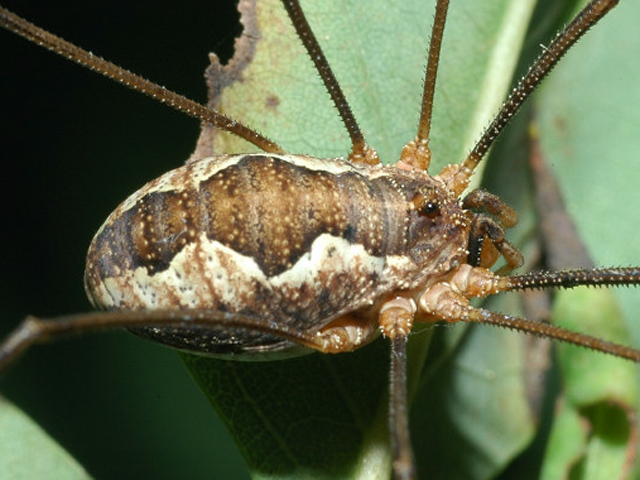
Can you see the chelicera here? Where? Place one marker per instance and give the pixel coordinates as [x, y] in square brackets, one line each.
[426, 272]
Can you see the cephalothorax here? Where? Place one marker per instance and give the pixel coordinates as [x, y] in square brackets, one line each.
[259, 253]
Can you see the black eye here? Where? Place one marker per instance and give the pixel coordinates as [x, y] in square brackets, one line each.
[426, 203]
[430, 209]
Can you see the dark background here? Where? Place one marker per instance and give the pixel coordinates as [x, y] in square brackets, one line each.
[72, 146]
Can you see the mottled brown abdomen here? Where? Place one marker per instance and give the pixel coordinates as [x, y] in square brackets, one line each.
[292, 239]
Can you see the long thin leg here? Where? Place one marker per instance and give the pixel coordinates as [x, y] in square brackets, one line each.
[449, 301]
[573, 278]
[396, 320]
[417, 152]
[547, 330]
[37, 35]
[403, 463]
[34, 330]
[588, 17]
[360, 152]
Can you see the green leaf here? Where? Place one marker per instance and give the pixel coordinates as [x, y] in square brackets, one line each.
[600, 394]
[587, 134]
[379, 55]
[317, 416]
[28, 453]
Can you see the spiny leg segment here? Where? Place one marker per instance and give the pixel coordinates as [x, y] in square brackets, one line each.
[360, 151]
[396, 320]
[417, 152]
[35, 330]
[551, 55]
[448, 301]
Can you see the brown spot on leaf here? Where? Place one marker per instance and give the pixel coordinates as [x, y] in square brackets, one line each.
[272, 101]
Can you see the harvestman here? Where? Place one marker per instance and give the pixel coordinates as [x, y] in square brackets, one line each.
[459, 273]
